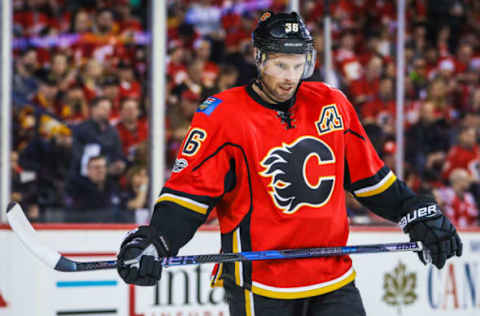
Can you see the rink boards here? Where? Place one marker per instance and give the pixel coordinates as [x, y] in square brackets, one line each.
[390, 283]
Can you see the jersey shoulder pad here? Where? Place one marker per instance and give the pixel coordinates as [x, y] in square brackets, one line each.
[322, 87]
[325, 91]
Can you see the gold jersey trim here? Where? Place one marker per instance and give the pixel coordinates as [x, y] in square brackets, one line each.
[304, 291]
[378, 188]
[185, 202]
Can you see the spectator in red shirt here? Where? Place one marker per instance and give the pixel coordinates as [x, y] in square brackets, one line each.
[189, 102]
[109, 49]
[473, 113]
[176, 62]
[131, 129]
[62, 72]
[82, 25]
[226, 79]
[129, 86]
[346, 59]
[32, 20]
[193, 80]
[381, 110]
[81, 22]
[111, 90]
[467, 77]
[465, 155]
[210, 69]
[239, 30]
[105, 23]
[431, 57]
[443, 39]
[385, 41]
[438, 93]
[180, 117]
[465, 53]
[459, 204]
[90, 77]
[364, 89]
[388, 154]
[128, 22]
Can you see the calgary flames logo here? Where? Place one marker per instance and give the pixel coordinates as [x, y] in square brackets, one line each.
[302, 174]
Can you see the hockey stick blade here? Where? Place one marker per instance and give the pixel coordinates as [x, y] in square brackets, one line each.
[24, 230]
[27, 235]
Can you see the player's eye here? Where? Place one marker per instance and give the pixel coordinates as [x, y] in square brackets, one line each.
[298, 67]
[282, 66]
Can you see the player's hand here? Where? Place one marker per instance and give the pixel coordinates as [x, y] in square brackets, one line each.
[138, 261]
[424, 222]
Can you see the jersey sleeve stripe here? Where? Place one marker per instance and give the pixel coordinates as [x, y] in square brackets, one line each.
[237, 247]
[249, 309]
[378, 188]
[185, 202]
[216, 280]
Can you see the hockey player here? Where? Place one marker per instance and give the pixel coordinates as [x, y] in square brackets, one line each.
[274, 158]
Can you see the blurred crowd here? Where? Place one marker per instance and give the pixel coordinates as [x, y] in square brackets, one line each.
[81, 98]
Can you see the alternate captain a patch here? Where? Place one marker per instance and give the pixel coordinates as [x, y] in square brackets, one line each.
[330, 120]
[209, 105]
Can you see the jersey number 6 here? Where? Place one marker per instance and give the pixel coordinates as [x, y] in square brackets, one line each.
[194, 141]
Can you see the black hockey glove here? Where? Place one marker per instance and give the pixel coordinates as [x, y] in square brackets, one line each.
[138, 261]
[424, 222]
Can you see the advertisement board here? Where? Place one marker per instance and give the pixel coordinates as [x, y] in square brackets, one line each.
[390, 283]
[399, 284]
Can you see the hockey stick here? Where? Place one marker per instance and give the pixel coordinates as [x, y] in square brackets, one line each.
[24, 230]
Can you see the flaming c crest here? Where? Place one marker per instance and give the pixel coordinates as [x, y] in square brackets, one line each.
[301, 173]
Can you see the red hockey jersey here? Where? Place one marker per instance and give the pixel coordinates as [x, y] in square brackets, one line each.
[276, 187]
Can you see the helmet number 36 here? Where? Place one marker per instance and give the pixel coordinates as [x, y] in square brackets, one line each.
[291, 27]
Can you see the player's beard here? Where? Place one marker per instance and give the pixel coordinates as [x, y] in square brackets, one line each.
[276, 94]
[285, 91]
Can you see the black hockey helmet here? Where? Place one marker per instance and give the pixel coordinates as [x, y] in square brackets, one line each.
[284, 33]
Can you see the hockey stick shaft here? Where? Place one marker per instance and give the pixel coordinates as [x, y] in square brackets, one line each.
[65, 264]
[23, 229]
[291, 253]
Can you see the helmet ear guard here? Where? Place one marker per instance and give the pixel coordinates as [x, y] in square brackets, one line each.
[260, 56]
[311, 58]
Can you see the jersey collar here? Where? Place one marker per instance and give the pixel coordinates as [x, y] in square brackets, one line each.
[284, 106]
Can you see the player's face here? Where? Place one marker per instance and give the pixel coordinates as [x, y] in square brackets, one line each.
[282, 73]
